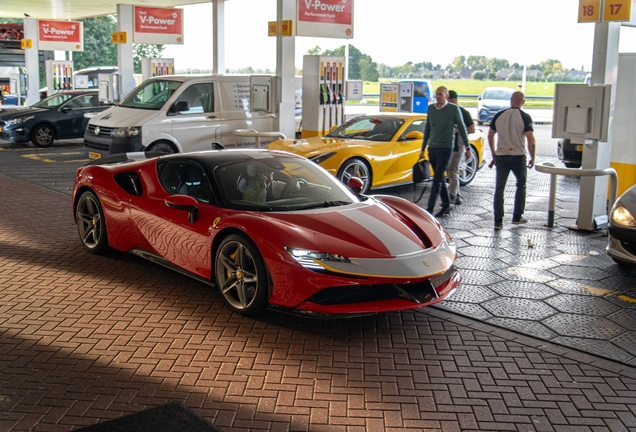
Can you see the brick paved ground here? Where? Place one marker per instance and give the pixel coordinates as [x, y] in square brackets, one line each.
[86, 338]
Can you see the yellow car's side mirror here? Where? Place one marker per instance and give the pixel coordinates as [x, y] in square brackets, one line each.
[414, 135]
[332, 128]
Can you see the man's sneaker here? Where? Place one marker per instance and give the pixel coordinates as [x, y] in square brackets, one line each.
[520, 221]
[444, 211]
[458, 201]
[498, 227]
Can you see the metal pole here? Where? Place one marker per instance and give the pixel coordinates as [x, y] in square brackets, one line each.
[552, 205]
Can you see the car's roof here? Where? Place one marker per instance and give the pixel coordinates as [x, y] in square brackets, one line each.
[403, 116]
[75, 92]
[208, 158]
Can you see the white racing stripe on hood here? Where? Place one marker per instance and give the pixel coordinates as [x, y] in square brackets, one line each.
[396, 242]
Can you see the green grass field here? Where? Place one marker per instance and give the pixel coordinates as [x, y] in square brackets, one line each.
[475, 87]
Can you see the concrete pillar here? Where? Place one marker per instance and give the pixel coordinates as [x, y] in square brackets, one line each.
[218, 36]
[593, 193]
[32, 61]
[125, 23]
[286, 71]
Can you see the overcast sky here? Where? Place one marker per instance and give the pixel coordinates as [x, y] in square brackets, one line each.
[397, 31]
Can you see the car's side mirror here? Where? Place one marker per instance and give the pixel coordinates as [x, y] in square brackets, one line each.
[66, 108]
[414, 135]
[355, 185]
[478, 97]
[179, 106]
[184, 202]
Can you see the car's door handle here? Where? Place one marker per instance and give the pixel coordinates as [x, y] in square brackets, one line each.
[212, 116]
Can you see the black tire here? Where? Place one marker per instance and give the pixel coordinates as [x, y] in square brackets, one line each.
[572, 165]
[43, 136]
[468, 168]
[161, 147]
[240, 275]
[91, 225]
[356, 167]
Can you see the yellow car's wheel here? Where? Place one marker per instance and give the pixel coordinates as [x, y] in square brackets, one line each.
[468, 168]
[355, 167]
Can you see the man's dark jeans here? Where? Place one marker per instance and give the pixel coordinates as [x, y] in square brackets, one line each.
[505, 164]
[439, 157]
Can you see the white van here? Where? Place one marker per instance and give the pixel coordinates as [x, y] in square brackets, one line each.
[178, 113]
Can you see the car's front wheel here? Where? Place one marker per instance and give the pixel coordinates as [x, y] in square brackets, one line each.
[468, 167]
[355, 167]
[161, 147]
[91, 225]
[43, 136]
[240, 275]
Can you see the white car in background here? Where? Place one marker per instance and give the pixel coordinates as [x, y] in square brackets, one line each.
[491, 101]
[622, 229]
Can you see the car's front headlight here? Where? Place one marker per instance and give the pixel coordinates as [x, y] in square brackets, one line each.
[622, 217]
[321, 158]
[307, 258]
[126, 132]
[19, 120]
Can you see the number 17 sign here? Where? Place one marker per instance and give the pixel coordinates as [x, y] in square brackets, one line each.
[608, 10]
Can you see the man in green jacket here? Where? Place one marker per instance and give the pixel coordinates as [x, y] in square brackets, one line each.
[439, 136]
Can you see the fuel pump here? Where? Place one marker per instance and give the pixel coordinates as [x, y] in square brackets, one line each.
[322, 99]
[341, 96]
[59, 75]
[151, 67]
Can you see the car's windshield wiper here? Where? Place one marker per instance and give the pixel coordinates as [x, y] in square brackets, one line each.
[324, 204]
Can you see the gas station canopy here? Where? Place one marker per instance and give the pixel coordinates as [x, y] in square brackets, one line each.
[75, 9]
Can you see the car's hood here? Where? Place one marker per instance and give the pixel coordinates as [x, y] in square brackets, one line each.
[314, 146]
[117, 116]
[375, 240]
[358, 230]
[495, 103]
[17, 113]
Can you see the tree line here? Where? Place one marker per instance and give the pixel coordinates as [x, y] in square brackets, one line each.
[362, 66]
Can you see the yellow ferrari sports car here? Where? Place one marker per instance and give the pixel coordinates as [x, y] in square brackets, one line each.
[380, 149]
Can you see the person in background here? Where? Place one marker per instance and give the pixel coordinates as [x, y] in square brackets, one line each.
[439, 136]
[514, 129]
[460, 151]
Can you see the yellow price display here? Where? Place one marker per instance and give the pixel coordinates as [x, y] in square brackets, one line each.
[272, 28]
[26, 43]
[120, 37]
[617, 10]
[589, 11]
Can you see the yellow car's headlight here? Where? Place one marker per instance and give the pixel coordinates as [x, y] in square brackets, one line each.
[622, 217]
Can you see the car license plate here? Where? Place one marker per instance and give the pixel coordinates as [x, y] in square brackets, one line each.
[579, 148]
[94, 155]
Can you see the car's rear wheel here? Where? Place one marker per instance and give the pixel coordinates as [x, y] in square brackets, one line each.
[468, 168]
[91, 225]
[356, 167]
[161, 147]
[43, 136]
[240, 275]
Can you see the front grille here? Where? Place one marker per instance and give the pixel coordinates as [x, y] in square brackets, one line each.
[97, 146]
[103, 131]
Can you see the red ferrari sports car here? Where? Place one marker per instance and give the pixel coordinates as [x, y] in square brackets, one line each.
[269, 229]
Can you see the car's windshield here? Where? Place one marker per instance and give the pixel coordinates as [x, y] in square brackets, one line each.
[53, 101]
[368, 128]
[151, 95]
[280, 183]
[500, 94]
